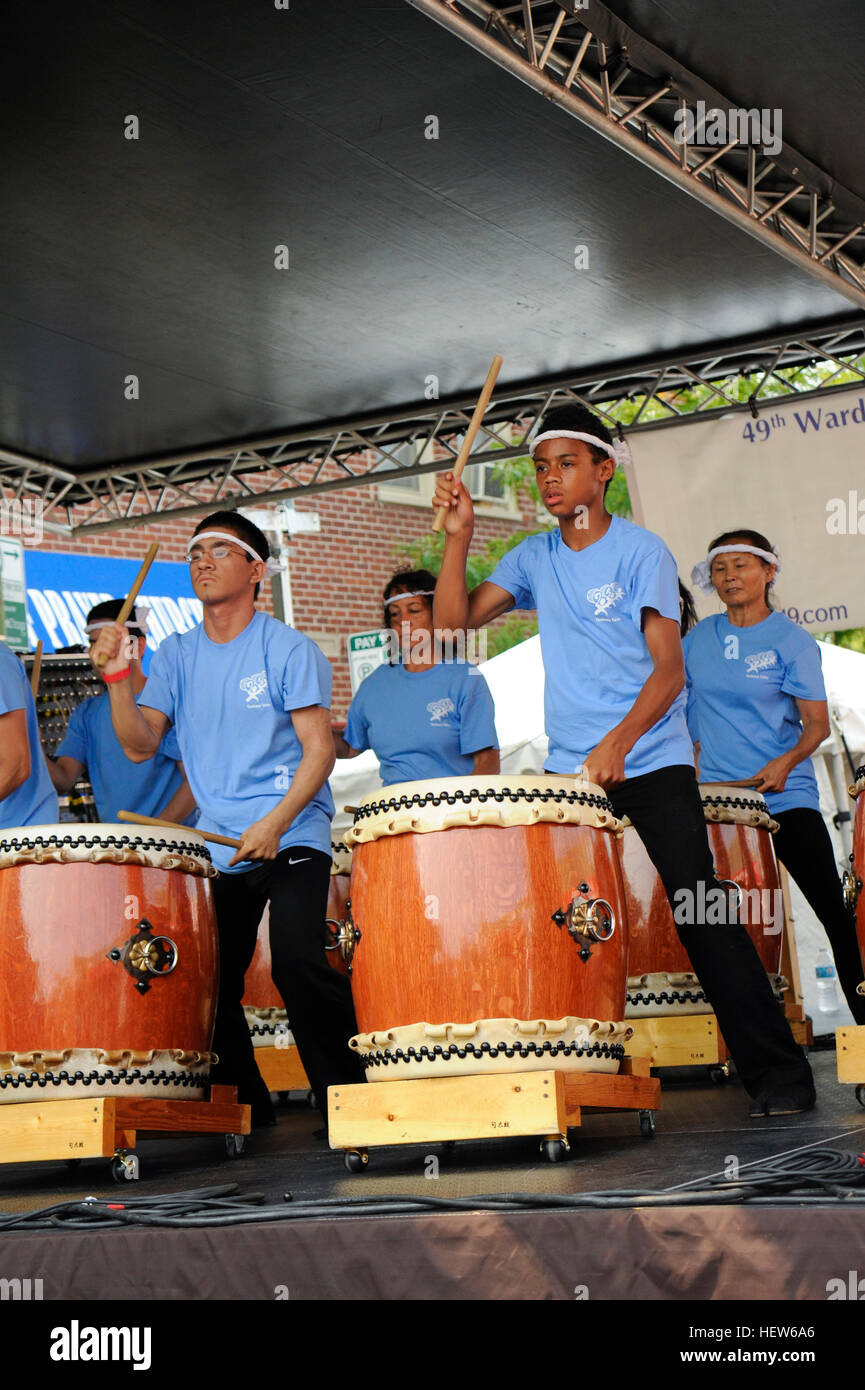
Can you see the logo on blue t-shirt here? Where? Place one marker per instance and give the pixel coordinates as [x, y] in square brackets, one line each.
[252, 687]
[760, 661]
[604, 597]
[440, 709]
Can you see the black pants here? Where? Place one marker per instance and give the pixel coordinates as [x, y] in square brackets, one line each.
[667, 813]
[804, 847]
[316, 997]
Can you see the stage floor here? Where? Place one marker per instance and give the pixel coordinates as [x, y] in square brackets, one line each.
[640, 1252]
[700, 1127]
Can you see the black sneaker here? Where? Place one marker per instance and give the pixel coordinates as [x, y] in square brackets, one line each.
[789, 1100]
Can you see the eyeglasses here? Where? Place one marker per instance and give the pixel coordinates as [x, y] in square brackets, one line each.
[217, 552]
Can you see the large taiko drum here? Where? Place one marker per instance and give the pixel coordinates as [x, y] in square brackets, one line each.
[108, 962]
[660, 976]
[854, 877]
[262, 1003]
[487, 928]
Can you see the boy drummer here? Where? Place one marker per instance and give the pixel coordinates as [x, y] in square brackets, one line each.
[249, 698]
[607, 597]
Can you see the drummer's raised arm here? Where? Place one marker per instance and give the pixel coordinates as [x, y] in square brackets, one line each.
[454, 608]
[139, 728]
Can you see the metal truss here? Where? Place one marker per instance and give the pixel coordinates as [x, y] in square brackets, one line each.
[650, 394]
[785, 200]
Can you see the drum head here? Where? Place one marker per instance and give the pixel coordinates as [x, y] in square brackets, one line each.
[105, 843]
[450, 802]
[736, 806]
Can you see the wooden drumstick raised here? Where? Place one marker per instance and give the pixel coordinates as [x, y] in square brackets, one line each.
[471, 433]
[173, 825]
[129, 601]
[37, 669]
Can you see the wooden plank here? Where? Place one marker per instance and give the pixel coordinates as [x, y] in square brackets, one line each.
[31, 1132]
[802, 1030]
[447, 1107]
[182, 1116]
[636, 1066]
[850, 1054]
[678, 1040]
[282, 1069]
[608, 1091]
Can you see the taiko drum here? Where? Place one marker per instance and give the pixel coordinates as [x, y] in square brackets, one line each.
[740, 837]
[485, 900]
[108, 962]
[262, 1002]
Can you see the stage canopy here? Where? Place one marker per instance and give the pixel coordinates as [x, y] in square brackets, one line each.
[228, 223]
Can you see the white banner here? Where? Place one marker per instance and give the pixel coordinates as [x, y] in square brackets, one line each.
[796, 473]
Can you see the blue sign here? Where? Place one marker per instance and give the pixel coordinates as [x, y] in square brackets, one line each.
[62, 588]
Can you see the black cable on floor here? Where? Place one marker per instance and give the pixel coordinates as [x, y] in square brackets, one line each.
[813, 1177]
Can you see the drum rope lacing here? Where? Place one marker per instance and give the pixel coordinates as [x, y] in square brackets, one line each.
[743, 803]
[571, 798]
[676, 996]
[85, 841]
[167, 1078]
[516, 1049]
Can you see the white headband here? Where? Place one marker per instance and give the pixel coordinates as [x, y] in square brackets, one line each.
[272, 566]
[701, 574]
[417, 593]
[619, 452]
[139, 620]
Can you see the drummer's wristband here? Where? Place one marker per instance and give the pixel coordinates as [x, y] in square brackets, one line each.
[118, 675]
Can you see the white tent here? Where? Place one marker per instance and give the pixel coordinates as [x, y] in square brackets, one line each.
[516, 679]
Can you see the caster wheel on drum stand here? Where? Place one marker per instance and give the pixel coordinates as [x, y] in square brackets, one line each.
[555, 1150]
[647, 1124]
[235, 1145]
[860, 1094]
[356, 1160]
[125, 1167]
[720, 1074]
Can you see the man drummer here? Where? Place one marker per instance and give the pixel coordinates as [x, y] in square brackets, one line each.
[91, 748]
[249, 698]
[607, 597]
[26, 794]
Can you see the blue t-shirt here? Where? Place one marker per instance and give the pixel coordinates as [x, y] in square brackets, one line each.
[35, 801]
[423, 724]
[742, 689]
[230, 704]
[119, 784]
[590, 609]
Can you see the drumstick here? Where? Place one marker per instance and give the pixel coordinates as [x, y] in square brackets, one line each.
[129, 601]
[746, 782]
[470, 434]
[173, 825]
[37, 669]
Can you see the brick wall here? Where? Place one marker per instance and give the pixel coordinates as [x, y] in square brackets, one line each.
[337, 575]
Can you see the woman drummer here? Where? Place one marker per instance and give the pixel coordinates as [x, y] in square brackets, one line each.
[421, 715]
[757, 711]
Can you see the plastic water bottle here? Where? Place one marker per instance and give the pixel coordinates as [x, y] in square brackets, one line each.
[827, 982]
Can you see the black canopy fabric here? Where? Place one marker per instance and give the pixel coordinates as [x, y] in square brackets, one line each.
[408, 257]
